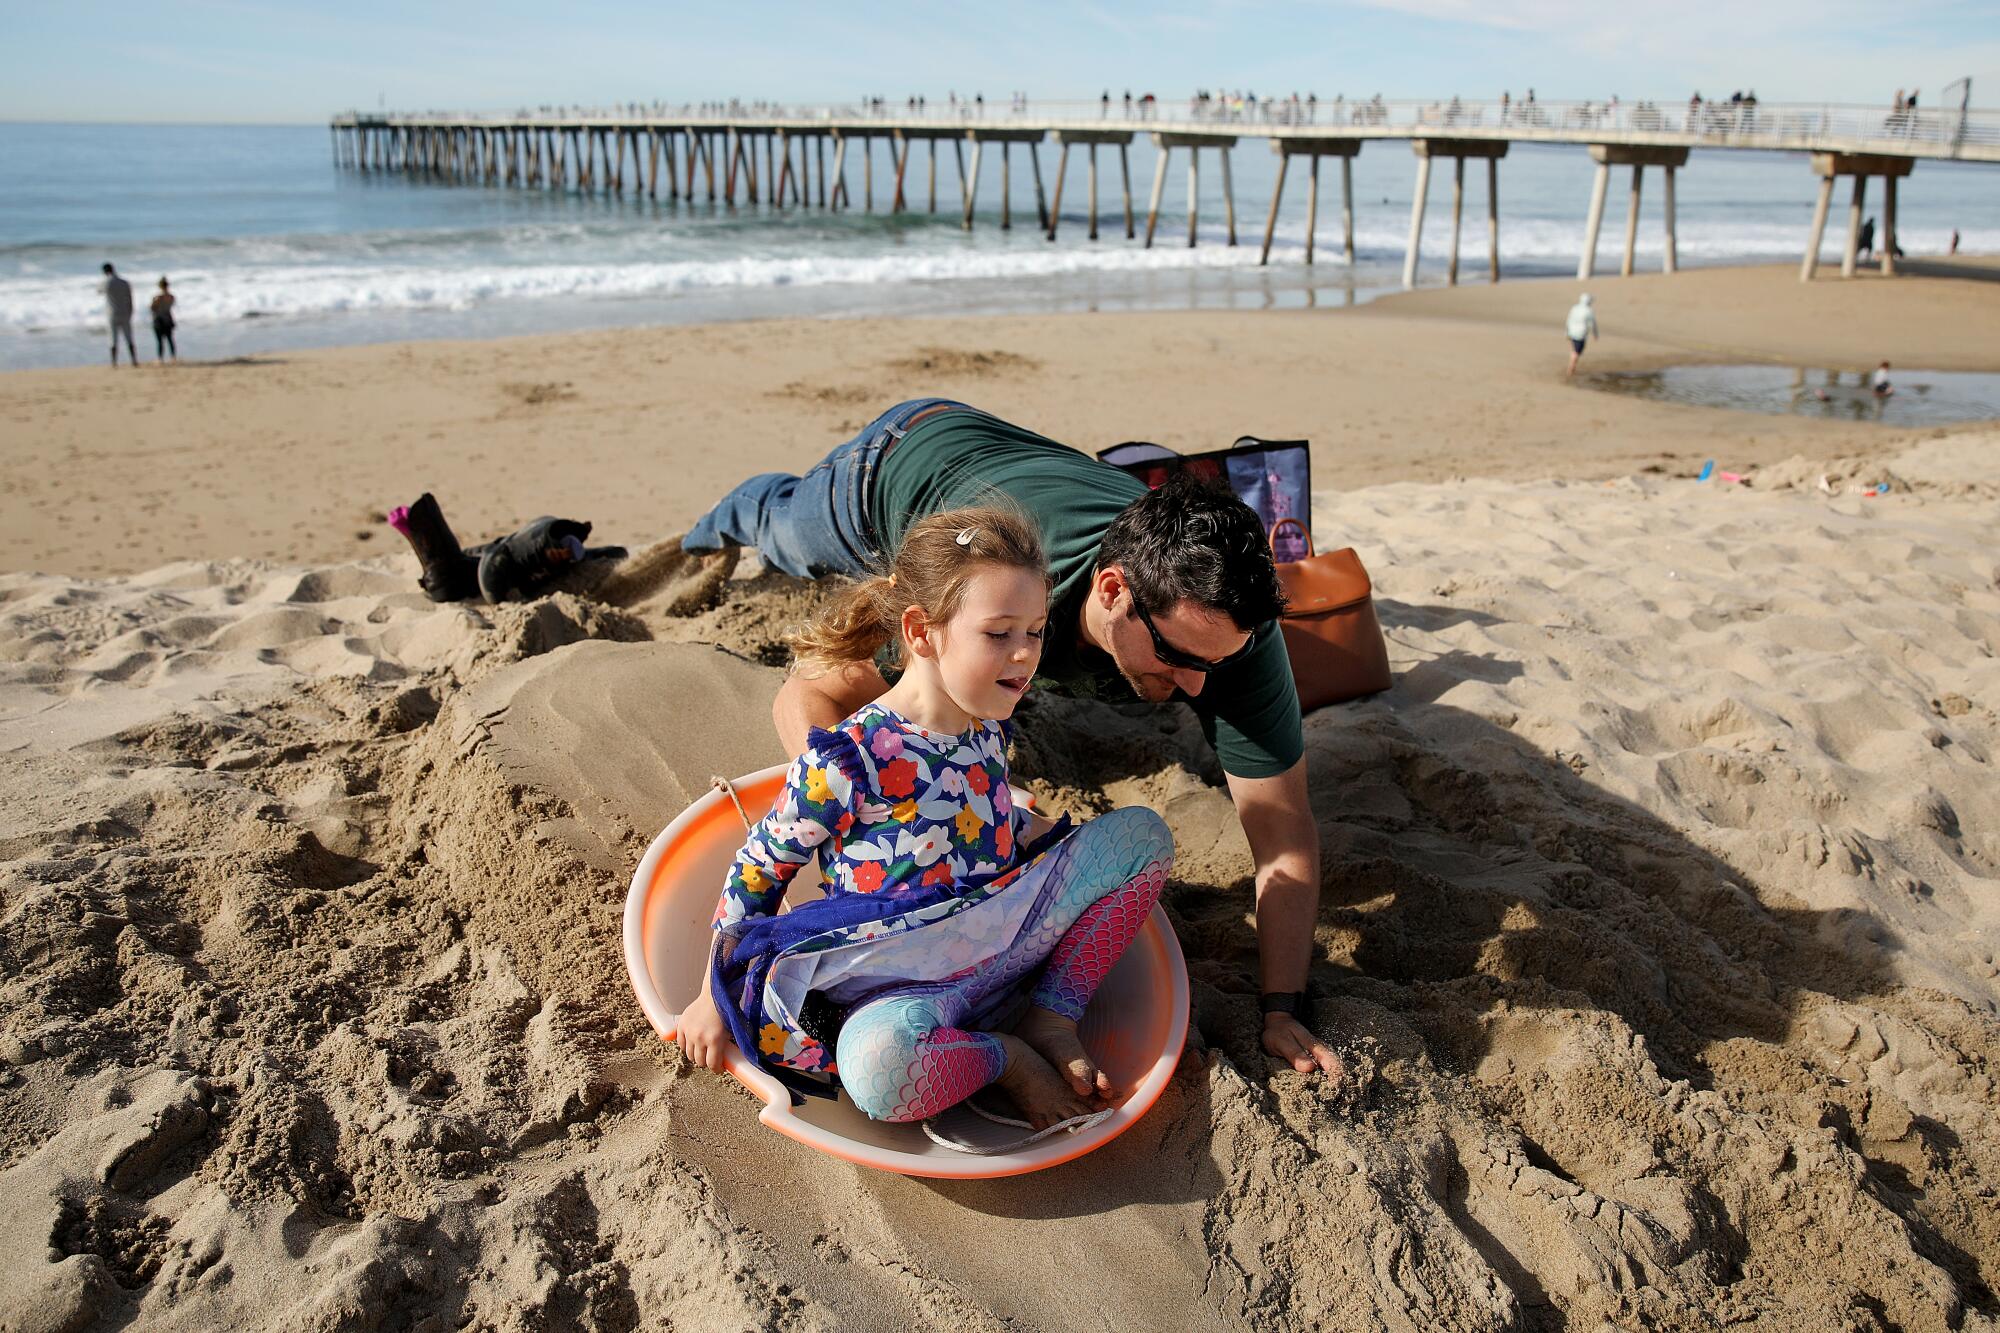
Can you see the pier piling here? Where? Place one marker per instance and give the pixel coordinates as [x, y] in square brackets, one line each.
[1632, 221]
[1006, 187]
[1159, 185]
[1055, 205]
[1457, 217]
[972, 188]
[1492, 219]
[1417, 202]
[1277, 193]
[1852, 253]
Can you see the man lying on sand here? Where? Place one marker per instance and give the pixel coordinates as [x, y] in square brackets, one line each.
[1151, 601]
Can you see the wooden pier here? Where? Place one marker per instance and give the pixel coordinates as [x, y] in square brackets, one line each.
[714, 156]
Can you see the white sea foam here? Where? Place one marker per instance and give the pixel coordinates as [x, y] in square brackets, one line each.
[279, 278]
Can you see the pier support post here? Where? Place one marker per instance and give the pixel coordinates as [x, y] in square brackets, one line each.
[1194, 191]
[933, 143]
[1595, 220]
[1457, 217]
[771, 195]
[1417, 221]
[1055, 204]
[958, 156]
[1093, 191]
[1006, 186]
[1041, 204]
[1632, 221]
[1229, 196]
[1493, 219]
[1125, 175]
[653, 166]
[902, 145]
[1853, 251]
[840, 199]
[1277, 193]
[1347, 204]
[1312, 208]
[972, 186]
[1888, 226]
[819, 165]
[868, 173]
[1159, 185]
[1670, 262]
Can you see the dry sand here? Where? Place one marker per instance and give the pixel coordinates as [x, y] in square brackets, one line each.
[295, 457]
[1657, 923]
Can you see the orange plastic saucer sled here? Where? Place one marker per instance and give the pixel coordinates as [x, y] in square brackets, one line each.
[1134, 1029]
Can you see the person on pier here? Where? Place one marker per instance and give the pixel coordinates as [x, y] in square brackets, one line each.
[1169, 595]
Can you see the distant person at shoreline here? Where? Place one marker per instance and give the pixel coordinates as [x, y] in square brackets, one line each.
[118, 305]
[1865, 247]
[163, 324]
[1954, 242]
[1878, 383]
[1581, 327]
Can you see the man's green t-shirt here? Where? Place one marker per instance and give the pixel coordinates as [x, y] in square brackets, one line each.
[1249, 710]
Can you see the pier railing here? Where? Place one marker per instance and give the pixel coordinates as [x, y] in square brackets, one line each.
[1919, 132]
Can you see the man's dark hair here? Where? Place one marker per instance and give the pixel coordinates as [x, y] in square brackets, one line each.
[107, 268]
[1190, 541]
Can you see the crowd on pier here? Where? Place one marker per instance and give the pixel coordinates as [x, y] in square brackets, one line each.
[1739, 114]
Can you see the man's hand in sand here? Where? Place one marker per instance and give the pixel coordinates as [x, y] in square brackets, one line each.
[703, 1036]
[1290, 1040]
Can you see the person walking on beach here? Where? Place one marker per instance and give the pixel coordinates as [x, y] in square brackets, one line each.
[163, 324]
[1864, 245]
[1581, 327]
[1167, 594]
[118, 305]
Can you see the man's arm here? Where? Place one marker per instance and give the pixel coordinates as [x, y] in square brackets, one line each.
[805, 702]
[1284, 842]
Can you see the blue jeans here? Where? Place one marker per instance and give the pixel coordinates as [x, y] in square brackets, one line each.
[816, 524]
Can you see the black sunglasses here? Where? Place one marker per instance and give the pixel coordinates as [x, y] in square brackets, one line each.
[1173, 656]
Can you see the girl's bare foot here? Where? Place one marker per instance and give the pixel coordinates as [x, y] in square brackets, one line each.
[1043, 1096]
[1055, 1037]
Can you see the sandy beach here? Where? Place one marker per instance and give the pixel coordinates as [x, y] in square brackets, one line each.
[1658, 923]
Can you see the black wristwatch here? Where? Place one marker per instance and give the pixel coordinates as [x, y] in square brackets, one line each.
[1292, 1002]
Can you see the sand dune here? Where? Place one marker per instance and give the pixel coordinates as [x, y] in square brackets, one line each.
[1658, 925]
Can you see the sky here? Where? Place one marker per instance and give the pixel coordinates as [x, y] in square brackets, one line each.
[248, 61]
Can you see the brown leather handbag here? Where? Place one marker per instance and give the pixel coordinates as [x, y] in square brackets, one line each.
[1331, 633]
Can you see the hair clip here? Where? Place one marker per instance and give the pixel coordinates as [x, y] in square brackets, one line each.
[965, 536]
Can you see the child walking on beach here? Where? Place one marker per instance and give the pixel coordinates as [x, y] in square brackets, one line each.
[945, 900]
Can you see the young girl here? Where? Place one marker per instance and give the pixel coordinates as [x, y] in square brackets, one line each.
[944, 900]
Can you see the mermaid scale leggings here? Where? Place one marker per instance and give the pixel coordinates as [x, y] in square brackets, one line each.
[904, 1057]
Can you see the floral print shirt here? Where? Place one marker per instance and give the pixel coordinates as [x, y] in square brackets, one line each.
[887, 806]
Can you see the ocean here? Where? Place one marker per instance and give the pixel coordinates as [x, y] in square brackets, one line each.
[270, 246]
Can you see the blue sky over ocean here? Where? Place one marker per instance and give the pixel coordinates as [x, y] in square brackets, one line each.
[239, 60]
